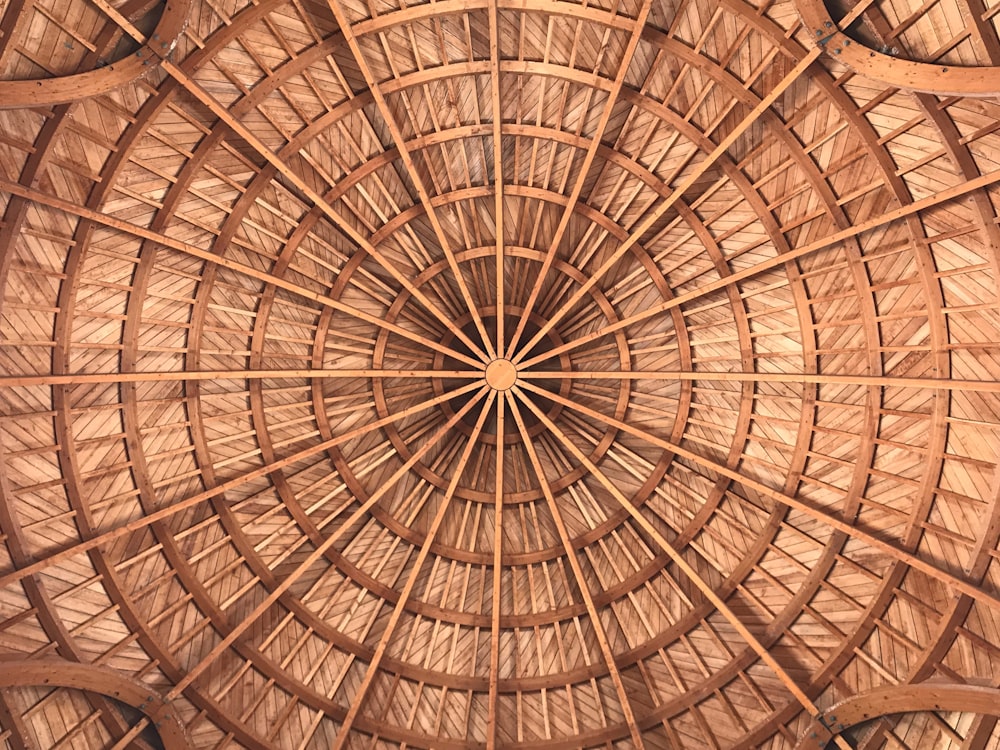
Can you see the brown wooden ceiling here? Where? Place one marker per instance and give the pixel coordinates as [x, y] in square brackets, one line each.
[499, 374]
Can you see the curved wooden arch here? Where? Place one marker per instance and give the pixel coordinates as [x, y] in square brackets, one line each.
[69, 88]
[899, 699]
[909, 75]
[49, 672]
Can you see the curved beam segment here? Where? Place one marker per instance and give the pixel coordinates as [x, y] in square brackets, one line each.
[941, 80]
[50, 672]
[68, 88]
[899, 699]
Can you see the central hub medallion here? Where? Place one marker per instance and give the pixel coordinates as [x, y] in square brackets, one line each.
[501, 374]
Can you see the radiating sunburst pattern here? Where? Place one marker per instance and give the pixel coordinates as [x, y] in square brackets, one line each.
[499, 374]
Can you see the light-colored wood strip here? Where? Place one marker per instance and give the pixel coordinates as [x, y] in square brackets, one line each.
[317, 199]
[457, 471]
[206, 255]
[682, 563]
[498, 183]
[574, 563]
[424, 196]
[16, 381]
[335, 535]
[495, 597]
[943, 196]
[909, 558]
[939, 384]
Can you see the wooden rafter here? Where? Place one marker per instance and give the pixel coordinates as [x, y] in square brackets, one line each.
[729, 459]
[199, 93]
[942, 197]
[424, 196]
[582, 583]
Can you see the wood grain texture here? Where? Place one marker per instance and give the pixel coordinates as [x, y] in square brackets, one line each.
[499, 374]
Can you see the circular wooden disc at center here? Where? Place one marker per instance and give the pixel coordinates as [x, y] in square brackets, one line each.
[501, 374]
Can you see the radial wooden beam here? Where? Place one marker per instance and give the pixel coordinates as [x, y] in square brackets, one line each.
[804, 378]
[425, 198]
[666, 204]
[197, 499]
[341, 740]
[578, 574]
[81, 378]
[495, 597]
[498, 183]
[581, 180]
[829, 519]
[943, 196]
[208, 256]
[683, 565]
[335, 535]
[314, 196]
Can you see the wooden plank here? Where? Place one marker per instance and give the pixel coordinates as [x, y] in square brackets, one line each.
[581, 180]
[457, 474]
[583, 585]
[82, 378]
[496, 599]
[915, 562]
[804, 378]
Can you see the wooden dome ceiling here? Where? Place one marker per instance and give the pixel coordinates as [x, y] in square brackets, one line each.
[495, 374]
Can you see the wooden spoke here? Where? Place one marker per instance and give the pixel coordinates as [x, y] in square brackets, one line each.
[201, 497]
[497, 579]
[685, 567]
[979, 386]
[581, 580]
[888, 548]
[192, 87]
[500, 272]
[942, 197]
[261, 609]
[22, 381]
[210, 257]
[485, 374]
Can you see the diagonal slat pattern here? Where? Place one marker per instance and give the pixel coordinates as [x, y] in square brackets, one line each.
[505, 374]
